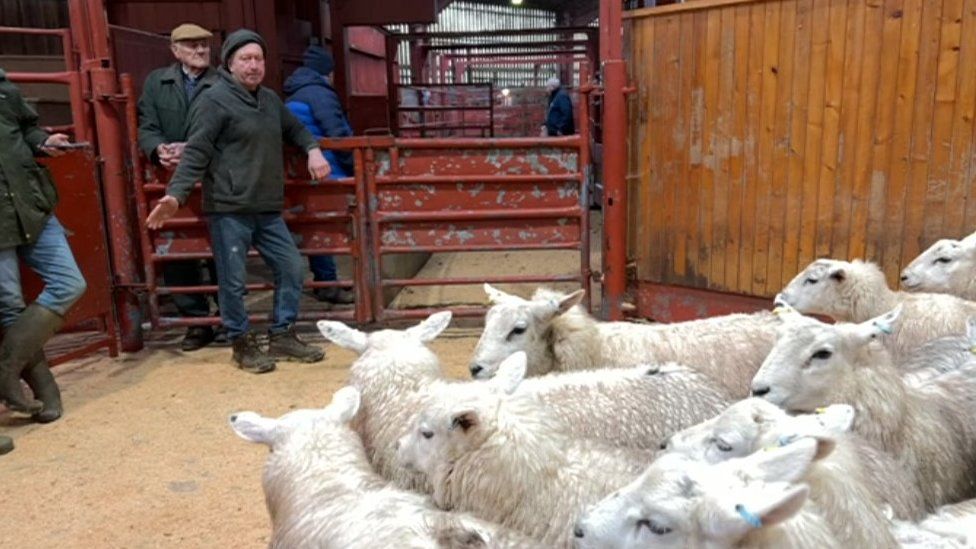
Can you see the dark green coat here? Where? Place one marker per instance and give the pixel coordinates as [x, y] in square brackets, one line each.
[27, 192]
[163, 107]
[235, 149]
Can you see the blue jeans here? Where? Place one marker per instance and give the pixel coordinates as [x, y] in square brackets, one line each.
[324, 266]
[51, 258]
[232, 235]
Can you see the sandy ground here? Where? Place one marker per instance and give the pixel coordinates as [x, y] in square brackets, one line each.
[144, 456]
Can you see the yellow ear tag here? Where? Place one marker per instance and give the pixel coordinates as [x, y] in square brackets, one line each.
[821, 410]
[973, 349]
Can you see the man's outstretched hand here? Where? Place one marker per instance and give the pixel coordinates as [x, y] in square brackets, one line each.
[164, 210]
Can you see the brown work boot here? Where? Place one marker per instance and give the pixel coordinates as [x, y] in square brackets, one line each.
[288, 346]
[250, 357]
[335, 295]
[41, 380]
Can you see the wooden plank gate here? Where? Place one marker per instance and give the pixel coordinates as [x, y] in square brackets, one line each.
[769, 133]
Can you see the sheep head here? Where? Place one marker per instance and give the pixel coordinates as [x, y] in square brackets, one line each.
[944, 267]
[458, 418]
[753, 424]
[682, 503]
[514, 324]
[833, 288]
[810, 360]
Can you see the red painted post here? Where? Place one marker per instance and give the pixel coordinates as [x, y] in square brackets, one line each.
[110, 135]
[614, 164]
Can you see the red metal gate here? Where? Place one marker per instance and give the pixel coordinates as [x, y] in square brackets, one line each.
[91, 321]
[408, 195]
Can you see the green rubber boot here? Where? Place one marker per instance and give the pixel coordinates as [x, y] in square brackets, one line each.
[6, 445]
[22, 341]
[41, 380]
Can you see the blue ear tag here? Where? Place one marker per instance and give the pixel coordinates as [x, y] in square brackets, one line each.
[883, 327]
[750, 518]
[786, 439]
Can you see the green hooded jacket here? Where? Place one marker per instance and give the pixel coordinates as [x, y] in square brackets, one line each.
[235, 145]
[163, 107]
[27, 192]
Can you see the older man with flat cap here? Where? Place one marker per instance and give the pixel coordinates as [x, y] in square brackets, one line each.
[164, 108]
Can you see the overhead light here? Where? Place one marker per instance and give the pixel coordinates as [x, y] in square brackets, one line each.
[516, 2]
[505, 92]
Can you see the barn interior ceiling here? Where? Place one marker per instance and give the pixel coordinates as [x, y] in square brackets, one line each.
[570, 12]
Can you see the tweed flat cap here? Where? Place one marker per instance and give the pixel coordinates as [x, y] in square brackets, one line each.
[189, 31]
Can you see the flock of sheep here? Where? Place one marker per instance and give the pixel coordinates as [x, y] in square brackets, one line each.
[771, 429]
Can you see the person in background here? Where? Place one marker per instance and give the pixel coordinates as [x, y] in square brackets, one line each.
[30, 232]
[167, 96]
[236, 133]
[313, 100]
[559, 116]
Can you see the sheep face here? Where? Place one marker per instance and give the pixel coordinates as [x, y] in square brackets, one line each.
[820, 288]
[278, 433]
[752, 424]
[811, 359]
[944, 267]
[514, 324]
[455, 422]
[682, 503]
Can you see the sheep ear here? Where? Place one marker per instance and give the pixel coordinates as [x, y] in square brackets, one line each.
[570, 301]
[253, 427]
[464, 420]
[495, 295]
[345, 403]
[837, 274]
[788, 463]
[878, 326]
[554, 307]
[510, 373]
[429, 329]
[836, 418]
[775, 504]
[343, 336]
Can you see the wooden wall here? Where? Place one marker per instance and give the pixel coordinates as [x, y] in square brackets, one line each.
[766, 134]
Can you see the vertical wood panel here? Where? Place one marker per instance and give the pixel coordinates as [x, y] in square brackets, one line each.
[785, 130]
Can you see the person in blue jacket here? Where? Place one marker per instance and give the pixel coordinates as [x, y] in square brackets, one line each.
[559, 116]
[313, 100]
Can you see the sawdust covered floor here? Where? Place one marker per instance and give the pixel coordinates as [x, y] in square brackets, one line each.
[144, 457]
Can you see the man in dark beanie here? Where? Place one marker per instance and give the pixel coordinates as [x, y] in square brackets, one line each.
[236, 134]
[313, 100]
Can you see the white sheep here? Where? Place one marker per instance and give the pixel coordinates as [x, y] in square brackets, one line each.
[946, 267]
[941, 355]
[322, 492]
[393, 365]
[755, 501]
[558, 335]
[951, 526]
[850, 485]
[857, 291]
[629, 407]
[495, 455]
[926, 426]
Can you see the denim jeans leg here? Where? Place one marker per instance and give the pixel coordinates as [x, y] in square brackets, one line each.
[11, 296]
[187, 273]
[277, 247]
[323, 267]
[231, 236]
[51, 258]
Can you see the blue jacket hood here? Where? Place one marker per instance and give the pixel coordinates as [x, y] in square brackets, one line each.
[304, 76]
